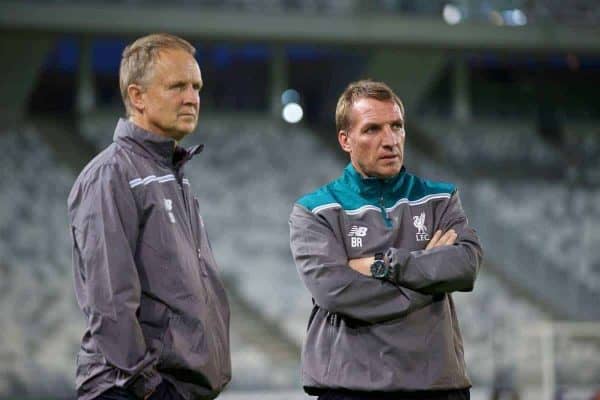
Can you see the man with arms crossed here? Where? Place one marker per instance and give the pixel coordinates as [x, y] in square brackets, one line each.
[145, 277]
[381, 251]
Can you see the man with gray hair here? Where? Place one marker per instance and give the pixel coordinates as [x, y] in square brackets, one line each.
[145, 276]
[381, 251]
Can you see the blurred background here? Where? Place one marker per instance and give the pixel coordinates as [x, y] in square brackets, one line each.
[501, 98]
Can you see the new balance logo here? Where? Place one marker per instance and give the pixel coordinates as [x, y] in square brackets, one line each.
[356, 234]
[419, 223]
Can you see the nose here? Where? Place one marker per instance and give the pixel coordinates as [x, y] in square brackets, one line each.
[191, 96]
[390, 137]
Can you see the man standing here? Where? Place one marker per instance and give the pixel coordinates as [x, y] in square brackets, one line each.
[381, 250]
[145, 277]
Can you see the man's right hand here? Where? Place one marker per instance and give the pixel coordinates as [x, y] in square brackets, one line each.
[440, 239]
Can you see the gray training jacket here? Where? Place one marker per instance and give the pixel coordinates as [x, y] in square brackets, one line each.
[365, 334]
[145, 276]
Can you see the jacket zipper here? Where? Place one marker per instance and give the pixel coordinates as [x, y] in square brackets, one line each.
[384, 214]
[190, 227]
[185, 202]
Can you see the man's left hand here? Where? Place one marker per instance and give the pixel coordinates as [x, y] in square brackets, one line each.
[362, 265]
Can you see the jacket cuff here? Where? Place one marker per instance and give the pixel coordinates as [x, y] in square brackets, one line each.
[145, 384]
[397, 260]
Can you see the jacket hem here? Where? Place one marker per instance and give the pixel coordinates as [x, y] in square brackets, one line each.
[317, 391]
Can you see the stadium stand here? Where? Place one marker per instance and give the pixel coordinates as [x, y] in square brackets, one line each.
[255, 169]
[491, 142]
[41, 322]
[561, 218]
[41, 326]
[514, 148]
[536, 202]
[247, 178]
[500, 100]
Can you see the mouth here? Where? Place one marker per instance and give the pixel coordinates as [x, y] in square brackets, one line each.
[189, 113]
[390, 157]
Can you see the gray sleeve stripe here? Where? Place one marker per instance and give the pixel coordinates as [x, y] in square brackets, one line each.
[316, 210]
[152, 178]
[420, 201]
[361, 210]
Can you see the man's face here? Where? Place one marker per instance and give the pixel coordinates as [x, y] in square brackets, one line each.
[375, 138]
[170, 99]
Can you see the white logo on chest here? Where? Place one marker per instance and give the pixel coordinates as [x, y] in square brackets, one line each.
[356, 234]
[169, 208]
[419, 223]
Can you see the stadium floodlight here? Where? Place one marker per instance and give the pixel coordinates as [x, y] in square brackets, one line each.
[292, 113]
[452, 14]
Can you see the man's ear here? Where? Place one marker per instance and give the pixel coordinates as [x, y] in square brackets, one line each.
[344, 140]
[136, 96]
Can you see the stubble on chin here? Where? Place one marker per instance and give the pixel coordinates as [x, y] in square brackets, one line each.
[389, 171]
[184, 130]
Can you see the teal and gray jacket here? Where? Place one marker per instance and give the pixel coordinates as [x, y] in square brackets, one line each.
[371, 335]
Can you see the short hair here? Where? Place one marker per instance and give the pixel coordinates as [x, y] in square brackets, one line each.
[140, 56]
[355, 91]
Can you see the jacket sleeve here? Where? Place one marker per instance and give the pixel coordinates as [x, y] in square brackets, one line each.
[323, 266]
[442, 269]
[105, 221]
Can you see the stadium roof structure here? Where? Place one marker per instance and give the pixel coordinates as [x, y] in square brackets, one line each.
[354, 29]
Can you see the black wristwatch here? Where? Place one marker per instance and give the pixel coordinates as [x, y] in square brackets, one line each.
[383, 269]
[379, 268]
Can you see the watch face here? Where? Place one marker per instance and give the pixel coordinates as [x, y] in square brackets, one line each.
[378, 269]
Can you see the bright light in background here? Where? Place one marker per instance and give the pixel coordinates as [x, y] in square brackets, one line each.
[452, 14]
[292, 113]
[514, 17]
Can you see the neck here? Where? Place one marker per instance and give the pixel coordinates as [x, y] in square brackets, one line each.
[359, 170]
[145, 125]
[366, 175]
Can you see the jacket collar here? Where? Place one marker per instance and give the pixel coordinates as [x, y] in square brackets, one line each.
[162, 149]
[372, 187]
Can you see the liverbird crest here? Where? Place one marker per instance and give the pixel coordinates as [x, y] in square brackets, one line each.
[419, 222]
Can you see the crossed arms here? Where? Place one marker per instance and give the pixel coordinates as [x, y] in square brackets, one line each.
[450, 263]
[363, 265]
